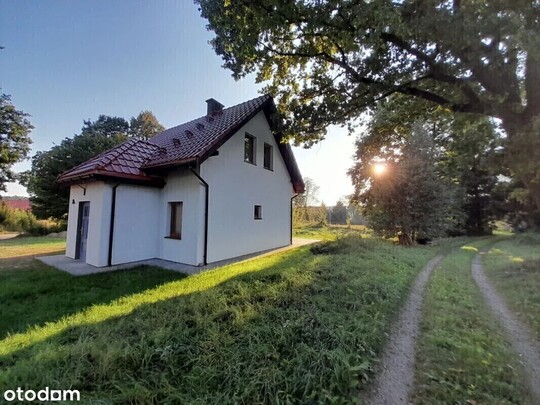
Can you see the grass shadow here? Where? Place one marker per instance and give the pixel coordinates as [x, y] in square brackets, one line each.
[40, 294]
[22, 261]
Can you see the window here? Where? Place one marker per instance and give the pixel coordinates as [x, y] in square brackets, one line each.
[268, 157]
[249, 149]
[175, 210]
[257, 212]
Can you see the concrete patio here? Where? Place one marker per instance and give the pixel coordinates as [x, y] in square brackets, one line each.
[78, 268]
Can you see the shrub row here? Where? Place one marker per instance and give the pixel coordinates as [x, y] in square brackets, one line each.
[15, 220]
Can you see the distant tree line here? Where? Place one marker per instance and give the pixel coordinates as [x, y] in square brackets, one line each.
[308, 211]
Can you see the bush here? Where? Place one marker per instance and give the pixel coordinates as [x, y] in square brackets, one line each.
[15, 220]
[45, 227]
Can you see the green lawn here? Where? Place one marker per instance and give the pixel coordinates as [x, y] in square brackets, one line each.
[289, 327]
[19, 252]
[30, 246]
[463, 357]
[42, 294]
[513, 265]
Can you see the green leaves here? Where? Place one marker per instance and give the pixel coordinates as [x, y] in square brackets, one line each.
[51, 200]
[14, 138]
[145, 125]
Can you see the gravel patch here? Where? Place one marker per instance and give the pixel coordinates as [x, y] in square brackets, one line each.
[395, 379]
[527, 348]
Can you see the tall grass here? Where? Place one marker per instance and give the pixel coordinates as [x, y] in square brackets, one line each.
[296, 327]
[513, 265]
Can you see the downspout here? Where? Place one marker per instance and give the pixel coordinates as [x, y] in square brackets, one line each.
[111, 227]
[292, 198]
[206, 193]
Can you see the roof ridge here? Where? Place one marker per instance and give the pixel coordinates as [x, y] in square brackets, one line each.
[266, 95]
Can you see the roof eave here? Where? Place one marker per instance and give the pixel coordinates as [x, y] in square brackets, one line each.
[104, 175]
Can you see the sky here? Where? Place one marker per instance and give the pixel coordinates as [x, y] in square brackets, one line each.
[66, 61]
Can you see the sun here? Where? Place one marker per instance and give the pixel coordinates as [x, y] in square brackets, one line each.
[379, 169]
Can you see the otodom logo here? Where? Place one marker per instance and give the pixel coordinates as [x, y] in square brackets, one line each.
[45, 394]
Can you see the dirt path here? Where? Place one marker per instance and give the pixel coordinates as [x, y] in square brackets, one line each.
[396, 374]
[8, 235]
[517, 333]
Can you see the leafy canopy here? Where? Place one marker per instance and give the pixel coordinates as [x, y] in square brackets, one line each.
[410, 199]
[327, 60]
[467, 154]
[145, 125]
[15, 139]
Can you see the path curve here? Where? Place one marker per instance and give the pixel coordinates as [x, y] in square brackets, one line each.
[517, 333]
[394, 383]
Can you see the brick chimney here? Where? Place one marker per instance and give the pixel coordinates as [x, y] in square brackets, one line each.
[213, 106]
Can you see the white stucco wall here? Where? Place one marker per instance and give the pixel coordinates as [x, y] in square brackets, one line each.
[141, 223]
[99, 195]
[136, 224]
[182, 185]
[236, 187]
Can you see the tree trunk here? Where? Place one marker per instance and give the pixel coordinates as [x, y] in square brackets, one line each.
[404, 239]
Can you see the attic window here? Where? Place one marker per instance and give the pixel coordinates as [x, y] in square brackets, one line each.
[249, 149]
[176, 142]
[188, 133]
[199, 126]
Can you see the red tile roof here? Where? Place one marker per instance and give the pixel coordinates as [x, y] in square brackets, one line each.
[190, 141]
[193, 141]
[123, 161]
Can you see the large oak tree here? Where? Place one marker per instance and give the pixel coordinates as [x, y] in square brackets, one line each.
[326, 61]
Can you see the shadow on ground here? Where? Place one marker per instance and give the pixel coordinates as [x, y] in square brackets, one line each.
[40, 294]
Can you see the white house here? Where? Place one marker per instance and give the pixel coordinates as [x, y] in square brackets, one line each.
[211, 189]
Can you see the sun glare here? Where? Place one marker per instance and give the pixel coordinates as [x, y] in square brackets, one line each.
[379, 169]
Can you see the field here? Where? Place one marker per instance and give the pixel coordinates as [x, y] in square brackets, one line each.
[298, 326]
[303, 326]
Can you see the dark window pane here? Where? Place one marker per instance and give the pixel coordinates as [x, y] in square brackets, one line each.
[175, 209]
[249, 149]
[268, 157]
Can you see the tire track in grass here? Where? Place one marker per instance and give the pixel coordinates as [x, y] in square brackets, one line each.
[517, 333]
[394, 383]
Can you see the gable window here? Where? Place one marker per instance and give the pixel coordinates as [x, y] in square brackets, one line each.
[249, 149]
[257, 212]
[175, 220]
[268, 157]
